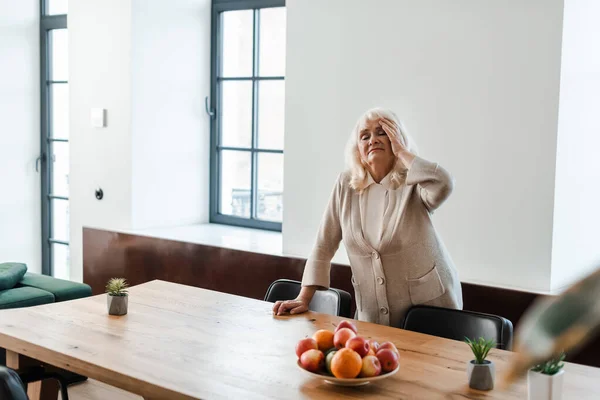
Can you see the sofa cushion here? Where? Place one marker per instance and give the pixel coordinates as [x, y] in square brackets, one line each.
[62, 290]
[11, 274]
[24, 297]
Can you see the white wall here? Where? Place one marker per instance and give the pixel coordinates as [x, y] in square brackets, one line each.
[20, 199]
[100, 76]
[576, 242]
[170, 128]
[147, 63]
[476, 83]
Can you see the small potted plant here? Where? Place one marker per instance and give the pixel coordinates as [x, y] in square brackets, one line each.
[481, 372]
[545, 380]
[117, 299]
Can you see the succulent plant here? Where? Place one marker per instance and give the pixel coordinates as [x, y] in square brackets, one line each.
[117, 287]
[551, 366]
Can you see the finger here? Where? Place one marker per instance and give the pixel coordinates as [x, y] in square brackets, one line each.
[282, 308]
[286, 306]
[298, 310]
[390, 122]
[276, 306]
[389, 125]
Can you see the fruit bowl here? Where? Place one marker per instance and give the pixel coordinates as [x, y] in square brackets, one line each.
[349, 382]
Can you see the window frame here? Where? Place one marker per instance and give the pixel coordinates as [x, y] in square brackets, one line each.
[47, 24]
[218, 7]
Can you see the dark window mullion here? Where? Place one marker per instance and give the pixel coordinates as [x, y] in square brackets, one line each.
[219, 107]
[45, 150]
[255, 149]
[254, 169]
[251, 78]
[56, 241]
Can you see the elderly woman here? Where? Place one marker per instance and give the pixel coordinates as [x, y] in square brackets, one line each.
[381, 208]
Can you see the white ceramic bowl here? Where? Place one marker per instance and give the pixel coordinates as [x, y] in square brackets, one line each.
[349, 382]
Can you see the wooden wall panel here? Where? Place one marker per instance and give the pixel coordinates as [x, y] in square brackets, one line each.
[141, 259]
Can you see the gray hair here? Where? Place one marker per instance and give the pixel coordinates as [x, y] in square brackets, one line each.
[356, 168]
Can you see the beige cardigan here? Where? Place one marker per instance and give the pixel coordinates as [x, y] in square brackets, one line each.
[412, 265]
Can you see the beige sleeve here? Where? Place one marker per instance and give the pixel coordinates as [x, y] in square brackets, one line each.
[434, 183]
[318, 265]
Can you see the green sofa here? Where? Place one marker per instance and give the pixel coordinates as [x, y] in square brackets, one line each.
[19, 288]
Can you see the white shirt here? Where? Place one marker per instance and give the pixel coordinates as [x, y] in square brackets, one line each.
[373, 205]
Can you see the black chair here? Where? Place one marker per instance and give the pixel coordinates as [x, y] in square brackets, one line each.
[458, 324]
[331, 301]
[13, 385]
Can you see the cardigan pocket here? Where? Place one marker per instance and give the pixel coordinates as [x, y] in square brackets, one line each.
[357, 294]
[426, 288]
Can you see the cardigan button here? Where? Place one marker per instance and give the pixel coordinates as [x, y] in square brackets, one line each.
[376, 255]
[380, 280]
[384, 310]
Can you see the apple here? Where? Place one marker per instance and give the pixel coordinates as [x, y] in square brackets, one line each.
[388, 359]
[342, 336]
[388, 345]
[359, 345]
[312, 360]
[370, 367]
[346, 324]
[305, 345]
[374, 345]
[328, 359]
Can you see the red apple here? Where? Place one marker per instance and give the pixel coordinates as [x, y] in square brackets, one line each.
[346, 324]
[388, 345]
[388, 359]
[312, 360]
[305, 345]
[359, 345]
[342, 336]
[370, 367]
[374, 345]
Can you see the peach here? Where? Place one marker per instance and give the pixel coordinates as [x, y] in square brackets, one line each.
[342, 336]
[388, 359]
[312, 360]
[346, 324]
[305, 345]
[359, 345]
[370, 367]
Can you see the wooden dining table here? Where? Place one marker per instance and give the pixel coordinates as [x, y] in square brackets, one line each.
[183, 342]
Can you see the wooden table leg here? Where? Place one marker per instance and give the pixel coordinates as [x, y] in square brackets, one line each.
[43, 390]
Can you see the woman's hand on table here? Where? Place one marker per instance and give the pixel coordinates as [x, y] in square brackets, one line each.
[296, 306]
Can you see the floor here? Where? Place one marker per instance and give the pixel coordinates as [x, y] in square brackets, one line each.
[94, 390]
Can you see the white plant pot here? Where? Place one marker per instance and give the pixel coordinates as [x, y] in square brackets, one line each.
[544, 387]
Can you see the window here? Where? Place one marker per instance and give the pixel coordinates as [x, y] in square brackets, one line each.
[54, 157]
[248, 98]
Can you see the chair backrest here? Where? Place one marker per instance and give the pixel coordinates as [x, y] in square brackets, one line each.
[331, 301]
[11, 386]
[458, 324]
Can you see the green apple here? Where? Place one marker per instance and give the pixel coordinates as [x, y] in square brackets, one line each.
[328, 359]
